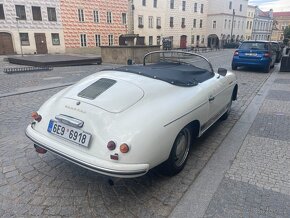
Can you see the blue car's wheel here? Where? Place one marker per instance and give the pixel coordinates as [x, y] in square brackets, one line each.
[267, 68]
[234, 67]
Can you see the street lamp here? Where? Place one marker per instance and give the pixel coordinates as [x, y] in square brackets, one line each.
[233, 24]
[17, 19]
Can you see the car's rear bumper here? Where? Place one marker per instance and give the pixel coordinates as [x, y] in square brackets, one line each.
[263, 62]
[100, 166]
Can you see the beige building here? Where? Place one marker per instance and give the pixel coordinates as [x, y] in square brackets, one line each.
[250, 21]
[281, 21]
[149, 21]
[30, 27]
[186, 23]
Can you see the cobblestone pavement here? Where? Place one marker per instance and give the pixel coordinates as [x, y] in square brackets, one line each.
[46, 185]
[258, 182]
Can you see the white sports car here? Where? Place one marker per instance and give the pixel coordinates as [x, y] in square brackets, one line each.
[125, 121]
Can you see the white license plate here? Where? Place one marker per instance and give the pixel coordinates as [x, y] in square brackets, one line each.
[251, 54]
[70, 133]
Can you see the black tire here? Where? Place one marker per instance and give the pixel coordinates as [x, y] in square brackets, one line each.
[234, 67]
[179, 153]
[267, 68]
[227, 113]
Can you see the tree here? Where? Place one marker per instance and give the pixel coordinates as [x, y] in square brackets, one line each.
[286, 35]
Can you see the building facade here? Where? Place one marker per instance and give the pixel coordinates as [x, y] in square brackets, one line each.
[30, 27]
[226, 21]
[87, 25]
[263, 23]
[185, 23]
[281, 21]
[250, 21]
[149, 21]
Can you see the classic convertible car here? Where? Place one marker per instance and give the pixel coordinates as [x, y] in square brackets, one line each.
[125, 121]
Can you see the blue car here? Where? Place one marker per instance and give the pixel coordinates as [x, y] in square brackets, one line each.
[258, 54]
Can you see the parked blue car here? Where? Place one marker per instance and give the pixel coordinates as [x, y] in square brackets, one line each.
[258, 54]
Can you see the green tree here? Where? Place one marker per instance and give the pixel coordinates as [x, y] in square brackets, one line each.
[286, 35]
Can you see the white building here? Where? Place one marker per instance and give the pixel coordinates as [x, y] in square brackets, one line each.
[226, 21]
[250, 21]
[149, 21]
[186, 22]
[30, 27]
[263, 23]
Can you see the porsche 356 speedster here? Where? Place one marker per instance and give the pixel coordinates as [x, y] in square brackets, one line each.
[126, 121]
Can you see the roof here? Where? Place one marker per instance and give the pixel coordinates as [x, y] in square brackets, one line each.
[281, 14]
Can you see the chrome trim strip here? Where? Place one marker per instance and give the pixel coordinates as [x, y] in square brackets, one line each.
[185, 114]
[69, 120]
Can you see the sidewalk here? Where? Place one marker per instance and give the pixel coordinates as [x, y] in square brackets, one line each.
[249, 175]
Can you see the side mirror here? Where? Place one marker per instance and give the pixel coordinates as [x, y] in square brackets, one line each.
[222, 71]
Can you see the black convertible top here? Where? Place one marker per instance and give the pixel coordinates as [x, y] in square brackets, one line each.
[180, 74]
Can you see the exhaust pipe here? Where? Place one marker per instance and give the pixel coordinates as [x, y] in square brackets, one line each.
[39, 149]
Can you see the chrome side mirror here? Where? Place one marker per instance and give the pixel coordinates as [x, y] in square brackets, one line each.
[222, 71]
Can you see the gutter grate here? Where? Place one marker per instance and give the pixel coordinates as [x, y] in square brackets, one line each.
[97, 88]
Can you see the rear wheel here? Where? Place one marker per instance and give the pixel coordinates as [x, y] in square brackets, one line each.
[179, 153]
[234, 67]
[267, 68]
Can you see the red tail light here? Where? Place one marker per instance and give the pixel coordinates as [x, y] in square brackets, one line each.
[124, 148]
[236, 53]
[36, 116]
[267, 55]
[111, 145]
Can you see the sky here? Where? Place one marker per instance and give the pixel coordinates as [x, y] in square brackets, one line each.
[276, 5]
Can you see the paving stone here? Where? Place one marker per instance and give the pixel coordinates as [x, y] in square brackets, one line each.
[280, 95]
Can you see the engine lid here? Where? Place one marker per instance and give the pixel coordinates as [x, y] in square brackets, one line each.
[108, 94]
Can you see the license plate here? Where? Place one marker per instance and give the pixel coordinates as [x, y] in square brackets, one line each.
[251, 54]
[70, 133]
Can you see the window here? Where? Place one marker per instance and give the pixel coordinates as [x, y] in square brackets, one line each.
[140, 21]
[155, 3]
[241, 7]
[248, 23]
[158, 22]
[214, 24]
[150, 22]
[51, 14]
[83, 40]
[201, 8]
[195, 7]
[36, 13]
[183, 22]
[171, 21]
[109, 17]
[2, 15]
[171, 4]
[251, 25]
[200, 23]
[230, 5]
[111, 39]
[229, 24]
[124, 18]
[81, 15]
[20, 12]
[24, 39]
[225, 26]
[192, 39]
[144, 2]
[158, 40]
[197, 39]
[183, 5]
[98, 40]
[55, 39]
[96, 16]
[194, 23]
[150, 40]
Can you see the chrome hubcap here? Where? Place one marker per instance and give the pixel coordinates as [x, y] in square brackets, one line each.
[182, 147]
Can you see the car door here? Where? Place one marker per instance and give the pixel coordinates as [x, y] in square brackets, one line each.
[219, 97]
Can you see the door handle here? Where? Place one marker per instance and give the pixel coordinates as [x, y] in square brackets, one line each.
[211, 98]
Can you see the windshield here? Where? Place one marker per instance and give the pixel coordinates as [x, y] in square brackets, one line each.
[254, 46]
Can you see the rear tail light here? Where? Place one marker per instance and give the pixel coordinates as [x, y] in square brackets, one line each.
[236, 53]
[267, 55]
[111, 145]
[124, 148]
[36, 116]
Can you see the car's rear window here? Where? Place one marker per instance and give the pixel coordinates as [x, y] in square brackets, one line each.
[254, 46]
